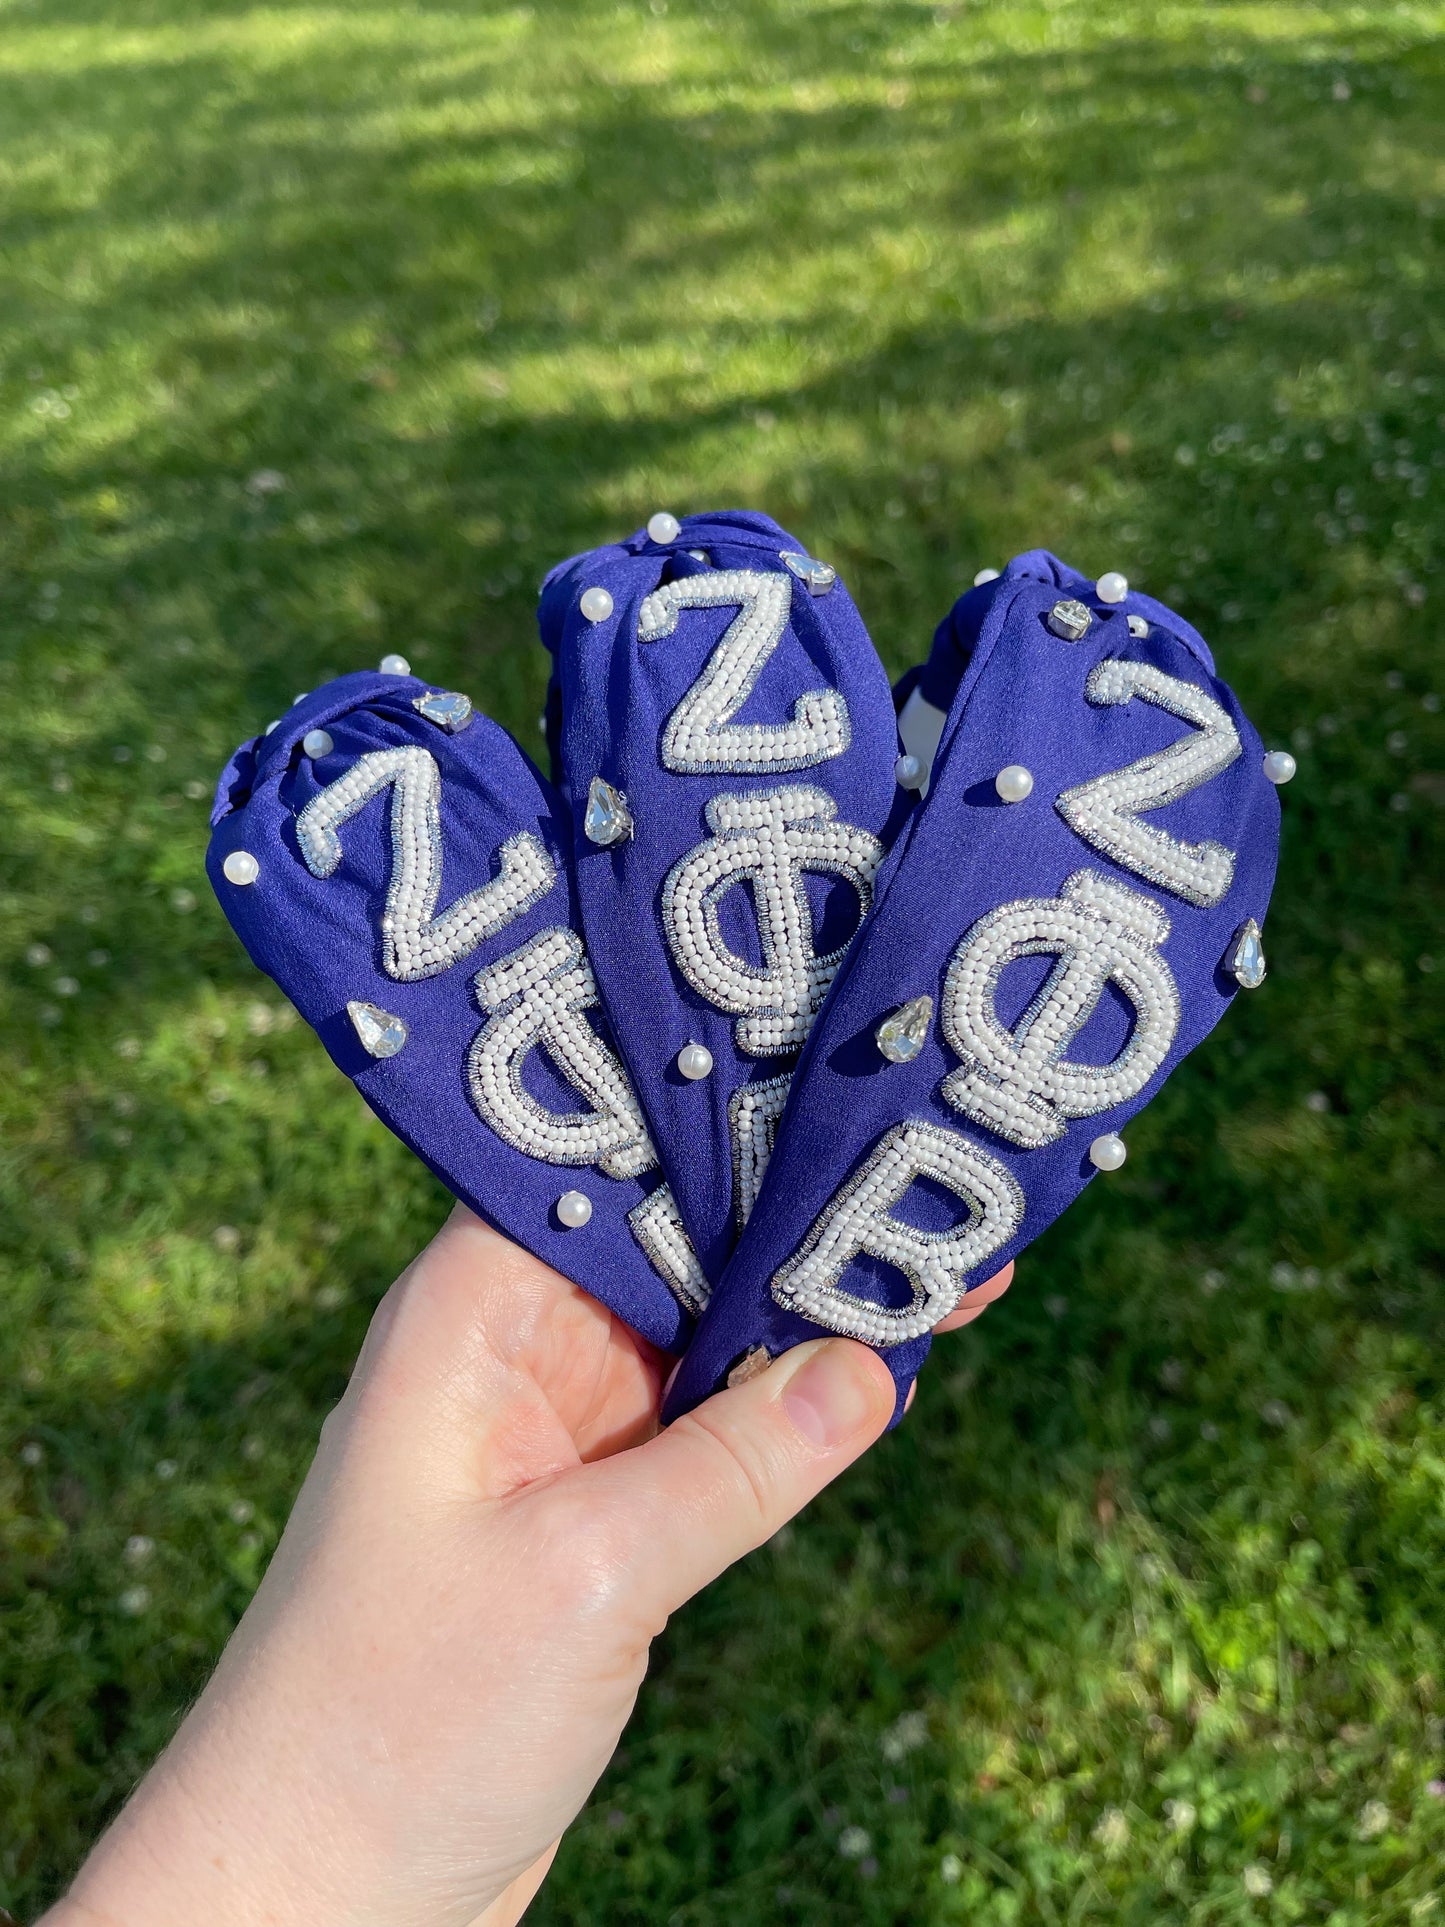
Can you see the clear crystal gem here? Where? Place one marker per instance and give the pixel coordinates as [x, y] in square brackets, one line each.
[817, 575]
[1246, 956]
[608, 819]
[1070, 619]
[448, 708]
[381, 1034]
[902, 1036]
[750, 1365]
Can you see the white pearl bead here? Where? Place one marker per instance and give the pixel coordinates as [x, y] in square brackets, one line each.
[663, 527]
[1138, 626]
[240, 867]
[985, 575]
[1013, 783]
[394, 666]
[1112, 587]
[574, 1208]
[270, 726]
[1107, 1153]
[596, 604]
[317, 742]
[910, 773]
[694, 1061]
[1279, 765]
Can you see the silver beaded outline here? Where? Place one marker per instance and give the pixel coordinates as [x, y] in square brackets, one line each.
[768, 839]
[699, 737]
[753, 1113]
[657, 1225]
[414, 945]
[936, 1264]
[1018, 1082]
[538, 997]
[1105, 810]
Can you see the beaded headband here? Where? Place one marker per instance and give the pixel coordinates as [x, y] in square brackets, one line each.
[831, 1032]
[723, 731]
[475, 1032]
[1068, 910]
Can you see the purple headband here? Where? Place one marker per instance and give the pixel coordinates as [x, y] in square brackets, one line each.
[724, 735]
[401, 869]
[1065, 914]
[821, 1034]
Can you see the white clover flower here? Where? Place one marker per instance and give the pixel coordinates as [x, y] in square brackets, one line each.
[1257, 1881]
[907, 1733]
[1181, 1815]
[1111, 1830]
[1374, 1819]
[854, 1842]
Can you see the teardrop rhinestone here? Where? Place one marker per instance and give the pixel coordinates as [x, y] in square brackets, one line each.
[1246, 957]
[608, 819]
[447, 708]
[751, 1365]
[381, 1034]
[902, 1036]
[818, 576]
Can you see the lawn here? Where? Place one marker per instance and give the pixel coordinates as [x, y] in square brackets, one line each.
[324, 330]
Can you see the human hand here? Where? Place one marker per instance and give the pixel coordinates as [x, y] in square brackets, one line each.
[452, 1633]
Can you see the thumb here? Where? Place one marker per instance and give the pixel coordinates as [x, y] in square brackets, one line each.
[723, 1478]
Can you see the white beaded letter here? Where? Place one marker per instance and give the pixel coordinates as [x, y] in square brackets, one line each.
[753, 1113]
[413, 944]
[656, 1224]
[935, 1263]
[1018, 1082]
[1105, 810]
[768, 839]
[540, 995]
[700, 737]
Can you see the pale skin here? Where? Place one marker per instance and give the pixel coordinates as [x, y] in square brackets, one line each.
[452, 1634]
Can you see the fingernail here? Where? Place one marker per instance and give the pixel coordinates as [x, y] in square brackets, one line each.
[912, 1394]
[832, 1396]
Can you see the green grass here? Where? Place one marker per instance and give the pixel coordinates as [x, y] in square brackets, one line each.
[1139, 1617]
